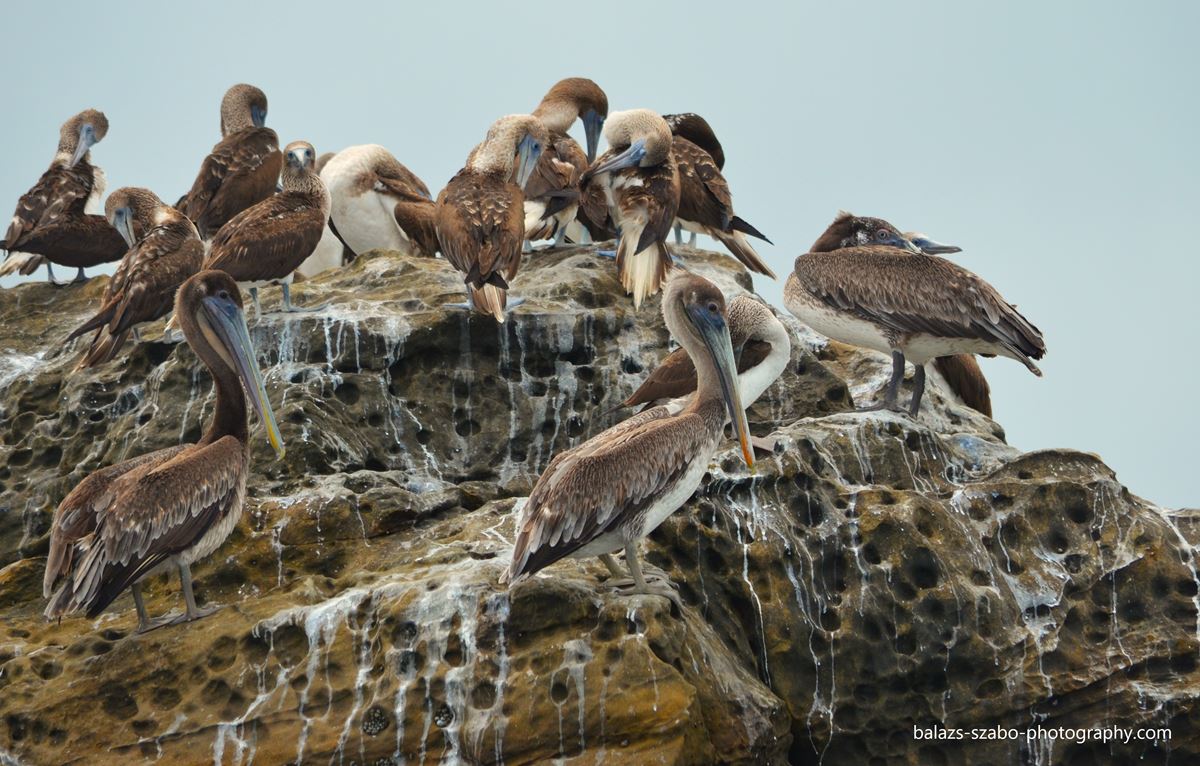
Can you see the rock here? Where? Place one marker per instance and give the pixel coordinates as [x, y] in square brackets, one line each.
[874, 575]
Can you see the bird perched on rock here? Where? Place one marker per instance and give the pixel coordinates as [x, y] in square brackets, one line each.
[171, 507]
[864, 284]
[242, 168]
[143, 287]
[617, 487]
[480, 220]
[636, 184]
[378, 203]
[266, 243]
[552, 193]
[57, 220]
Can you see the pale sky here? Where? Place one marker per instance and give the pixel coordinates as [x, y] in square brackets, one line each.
[1054, 142]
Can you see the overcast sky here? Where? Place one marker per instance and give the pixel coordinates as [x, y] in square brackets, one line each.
[1054, 142]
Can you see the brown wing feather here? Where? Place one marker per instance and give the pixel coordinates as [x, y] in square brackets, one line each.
[480, 226]
[675, 375]
[75, 240]
[241, 171]
[704, 196]
[416, 218]
[270, 240]
[591, 488]
[399, 180]
[61, 191]
[966, 380]
[907, 294]
[555, 178]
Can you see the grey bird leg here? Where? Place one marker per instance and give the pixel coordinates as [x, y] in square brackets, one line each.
[189, 599]
[288, 308]
[587, 237]
[893, 389]
[257, 305]
[639, 582]
[560, 236]
[145, 624]
[692, 240]
[80, 277]
[526, 247]
[918, 390]
[50, 277]
[137, 334]
[678, 234]
[613, 567]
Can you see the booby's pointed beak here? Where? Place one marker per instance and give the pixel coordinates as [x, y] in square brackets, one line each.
[528, 153]
[87, 139]
[123, 222]
[714, 331]
[933, 247]
[593, 123]
[258, 116]
[626, 159]
[227, 319]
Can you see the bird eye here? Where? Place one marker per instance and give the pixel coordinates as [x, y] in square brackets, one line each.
[223, 295]
[713, 308]
[881, 235]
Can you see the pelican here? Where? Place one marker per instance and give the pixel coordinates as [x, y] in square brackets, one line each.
[479, 217]
[961, 372]
[143, 287]
[760, 344]
[242, 168]
[614, 489]
[552, 194]
[366, 185]
[267, 243]
[864, 284]
[56, 221]
[171, 507]
[638, 182]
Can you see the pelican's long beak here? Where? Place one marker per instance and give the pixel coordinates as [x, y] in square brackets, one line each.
[86, 141]
[715, 333]
[230, 324]
[258, 116]
[593, 123]
[528, 153]
[626, 159]
[933, 247]
[123, 222]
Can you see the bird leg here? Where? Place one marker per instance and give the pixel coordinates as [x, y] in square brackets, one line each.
[607, 254]
[80, 277]
[560, 236]
[288, 308]
[692, 240]
[918, 390]
[661, 584]
[145, 624]
[50, 277]
[189, 599]
[257, 305]
[893, 389]
[678, 234]
[526, 246]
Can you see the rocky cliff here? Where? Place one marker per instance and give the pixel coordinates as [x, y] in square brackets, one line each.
[875, 574]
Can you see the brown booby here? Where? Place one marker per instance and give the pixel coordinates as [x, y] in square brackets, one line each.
[760, 344]
[614, 489]
[636, 184]
[552, 193]
[266, 243]
[479, 218]
[864, 284]
[57, 220]
[242, 168]
[696, 129]
[143, 287]
[372, 199]
[171, 507]
[961, 371]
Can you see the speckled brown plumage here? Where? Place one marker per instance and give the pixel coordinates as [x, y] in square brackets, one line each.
[696, 129]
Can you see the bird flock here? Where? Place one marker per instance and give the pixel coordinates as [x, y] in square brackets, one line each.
[257, 215]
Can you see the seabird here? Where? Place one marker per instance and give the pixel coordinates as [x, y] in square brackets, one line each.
[143, 287]
[372, 199]
[614, 489]
[552, 194]
[636, 183]
[267, 243]
[174, 506]
[760, 344]
[57, 220]
[243, 167]
[864, 284]
[696, 129]
[479, 219]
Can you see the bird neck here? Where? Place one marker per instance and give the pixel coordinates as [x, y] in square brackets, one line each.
[229, 419]
[557, 115]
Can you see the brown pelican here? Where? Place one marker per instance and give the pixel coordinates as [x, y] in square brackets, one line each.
[479, 217]
[961, 371]
[266, 243]
[143, 287]
[174, 506]
[760, 344]
[636, 183]
[614, 489]
[243, 167]
[366, 185]
[552, 194]
[864, 284]
[56, 221]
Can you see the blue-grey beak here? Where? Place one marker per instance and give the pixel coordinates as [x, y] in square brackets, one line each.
[258, 115]
[593, 123]
[87, 139]
[626, 159]
[122, 221]
[528, 153]
[230, 324]
[714, 331]
[933, 247]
